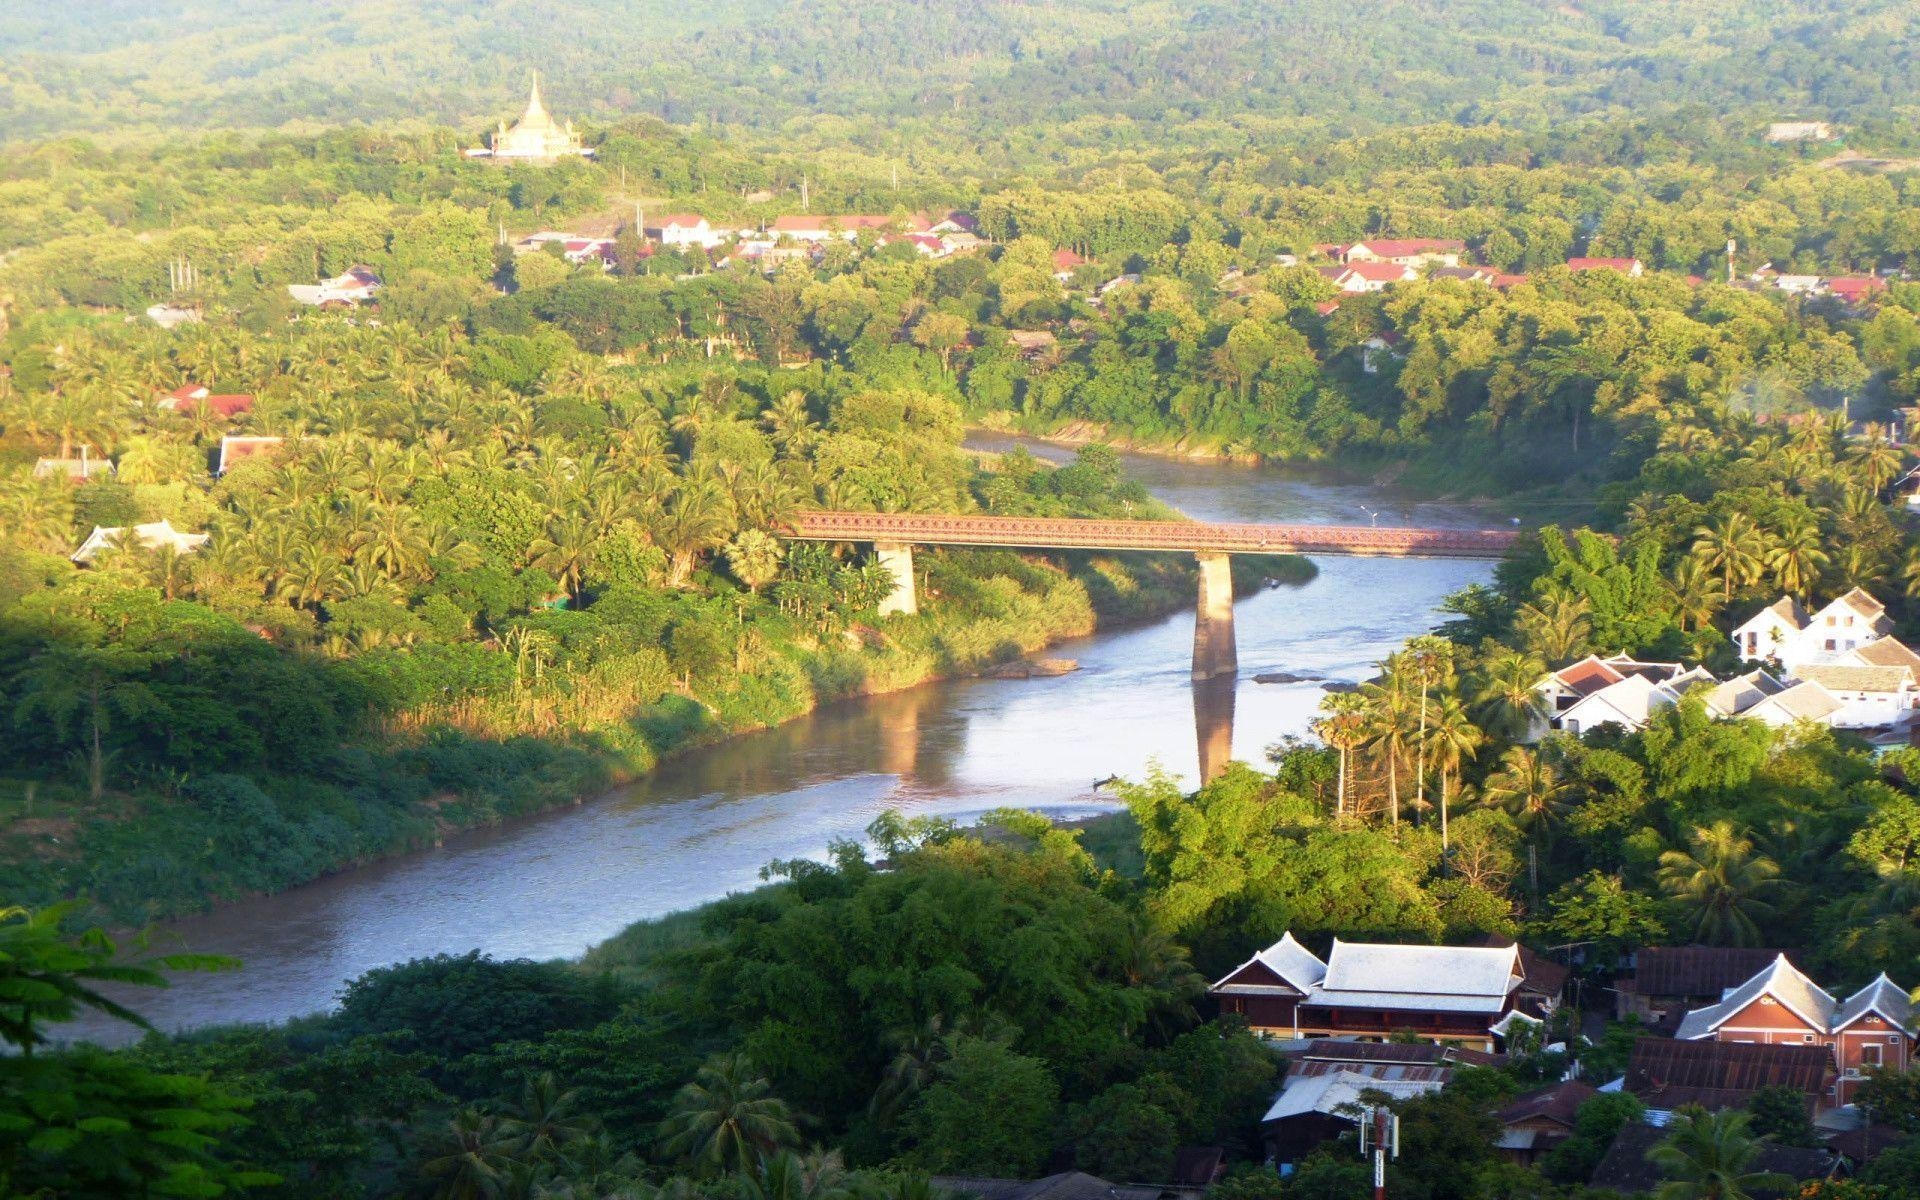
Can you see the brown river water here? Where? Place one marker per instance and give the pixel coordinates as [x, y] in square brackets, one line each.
[704, 824]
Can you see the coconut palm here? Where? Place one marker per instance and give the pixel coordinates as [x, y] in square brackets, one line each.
[1719, 882]
[565, 550]
[728, 1119]
[1557, 627]
[471, 1159]
[1695, 597]
[547, 1121]
[1430, 659]
[1505, 698]
[1344, 727]
[1710, 1156]
[1735, 548]
[1796, 558]
[1451, 740]
[696, 518]
[1389, 725]
[1877, 461]
[1529, 787]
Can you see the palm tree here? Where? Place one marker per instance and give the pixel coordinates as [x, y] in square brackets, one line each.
[1557, 627]
[566, 550]
[695, 519]
[1710, 1156]
[1504, 694]
[1344, 728]
[471, 1159]
[1796, 558]
[1878, 460]
[1452, 740]
[1733, 547]
[728, 1119]
[1695, 598]
[1161, 983]
[1431, 660]
[547, 1120]
[1530, 787]
[1388, 720]
[1719, 882]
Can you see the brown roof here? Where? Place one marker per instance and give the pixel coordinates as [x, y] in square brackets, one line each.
[1667, 1074]
[1839, 678]
[1889, 652]
[1625, 1167]
[1558, 1104]
[1688, 971]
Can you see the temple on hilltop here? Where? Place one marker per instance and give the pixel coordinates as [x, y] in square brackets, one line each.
[535, 137]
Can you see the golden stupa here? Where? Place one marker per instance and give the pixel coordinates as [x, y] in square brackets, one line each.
[536, 135]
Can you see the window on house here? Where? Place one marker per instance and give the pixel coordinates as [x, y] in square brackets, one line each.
[1870, 1055]
[1806, 1037]
[1893, 1039]
[1829, 644]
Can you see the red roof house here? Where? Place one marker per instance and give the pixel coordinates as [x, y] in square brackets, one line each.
[1366, 276]
[1855, 288]
[1626, 266]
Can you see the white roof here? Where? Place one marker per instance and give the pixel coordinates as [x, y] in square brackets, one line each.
[1629, 702]
[1782, 981]
[1803, 700]
[1330, 1092]
[1289, 960]
[1883, 996]
[1461, 978]
[156, 534]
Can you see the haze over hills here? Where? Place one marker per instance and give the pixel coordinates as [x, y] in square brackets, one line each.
[129, 64]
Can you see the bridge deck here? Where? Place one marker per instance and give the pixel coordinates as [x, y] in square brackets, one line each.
[1076, 534]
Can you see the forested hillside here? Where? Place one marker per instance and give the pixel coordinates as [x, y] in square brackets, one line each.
[928, 76]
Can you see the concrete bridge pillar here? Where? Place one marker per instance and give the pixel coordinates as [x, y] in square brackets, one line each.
[897, 558]
[1214, 652]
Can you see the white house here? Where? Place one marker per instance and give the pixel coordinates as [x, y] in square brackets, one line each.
[1370, 276]
[1737, 696]
[154, 535]
[1407, 252]
[352, 286]
[1869, 696]
[1627, 704]
[1801, 702]
[686, 229]
[1567, 692]
[1783, 633]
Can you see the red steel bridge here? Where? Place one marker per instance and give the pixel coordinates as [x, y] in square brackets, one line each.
[1214, 653]
[1191, 536]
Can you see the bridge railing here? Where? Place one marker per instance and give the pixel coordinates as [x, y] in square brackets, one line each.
[1080, 533]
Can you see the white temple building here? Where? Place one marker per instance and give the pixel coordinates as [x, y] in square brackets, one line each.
[535, 137]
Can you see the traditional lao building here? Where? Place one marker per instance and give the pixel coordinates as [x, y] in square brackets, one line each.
[1780, 1006]
[157, 535]
[1458, 995]
[535, 137]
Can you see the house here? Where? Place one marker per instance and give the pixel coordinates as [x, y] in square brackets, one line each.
[1870, 697]
[1032, 343]
[1626, 1169]
[1883, 652]
[1127, 280]
[155, 535]
[355, 285]
[952, 221]
[189, 396]
[1626, 266]
[1801, 702]
[1369, 276]
[1444, 994]
[1780, 1006]
[1406, 252]
[585, 250]
[172, 316]
[821, 229]
[1668, 981]
[1799, 131]
[73, 470]
[1465, 274]
[1736, 696]
[1782, 632]
[684, 229]
[1065, 263]
[1666, 1073]
[1538, 1121]
[962, 242]
[1611, 691]
[1855, 289]
[234, 449]
[1067, 1185]
[1313, 1109]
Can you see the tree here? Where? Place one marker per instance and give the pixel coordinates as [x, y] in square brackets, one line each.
[1709, 1156]
[1796, 558]
[754, 558]
[1344, 728]
[1529, 787]
[1504, 694]
[1733, 547]
[1454, 739]
[727, 1118]
[1718, 884]
[92, 683]
[470, 1158]
[1780, 1115]
[989, 1111]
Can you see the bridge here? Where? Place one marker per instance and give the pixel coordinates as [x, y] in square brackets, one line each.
[1214, 653]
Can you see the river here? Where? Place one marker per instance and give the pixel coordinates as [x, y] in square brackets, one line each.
[704, 824]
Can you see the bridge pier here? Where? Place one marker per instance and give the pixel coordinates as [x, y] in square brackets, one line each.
[1214, 650]
[897, 558]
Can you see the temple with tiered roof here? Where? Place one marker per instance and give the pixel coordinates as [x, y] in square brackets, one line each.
[535, 137]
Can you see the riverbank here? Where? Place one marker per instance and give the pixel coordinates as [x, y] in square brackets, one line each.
[152, 854]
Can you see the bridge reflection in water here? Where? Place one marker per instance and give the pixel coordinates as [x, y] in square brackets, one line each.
[1213, 723]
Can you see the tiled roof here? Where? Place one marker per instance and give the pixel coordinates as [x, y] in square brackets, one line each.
[1588, 676]
[1780, 980]
[1427, 970]
[1806, 700]
[1887, 652]
[1838, 677]
[1403, 247]
[1667, 1073]
[1883, 996]
[1599, 264]
[1558, 1103]
[1742, 692]
[1696, 970]
[1293, 962]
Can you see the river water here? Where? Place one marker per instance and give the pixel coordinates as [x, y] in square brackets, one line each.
[705, 824]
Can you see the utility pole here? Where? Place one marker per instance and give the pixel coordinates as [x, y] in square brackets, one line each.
[896, 176]
[803, 194]
[1380, 1132]
[1730, 262]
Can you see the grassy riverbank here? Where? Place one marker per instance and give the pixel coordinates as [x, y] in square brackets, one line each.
[165, 847]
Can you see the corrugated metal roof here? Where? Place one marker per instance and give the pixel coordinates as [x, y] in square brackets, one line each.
[1327, 1094]
[1467, 972]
